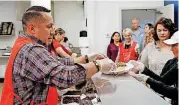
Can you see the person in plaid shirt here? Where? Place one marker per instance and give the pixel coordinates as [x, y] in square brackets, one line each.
[34, 69]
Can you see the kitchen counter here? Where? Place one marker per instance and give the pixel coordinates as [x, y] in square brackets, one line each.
[4, 57]
[129, 91]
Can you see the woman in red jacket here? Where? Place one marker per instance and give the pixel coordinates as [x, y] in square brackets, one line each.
[128, 50]
[59, 48]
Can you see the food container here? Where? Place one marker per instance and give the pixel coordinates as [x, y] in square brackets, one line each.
[88, 99]
[87, 95]
[70, 99]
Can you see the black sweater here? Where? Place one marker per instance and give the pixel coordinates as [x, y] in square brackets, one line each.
[162, 84]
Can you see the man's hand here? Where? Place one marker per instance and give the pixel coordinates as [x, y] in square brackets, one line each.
[95, 56]
[106, 65]
[138, 66]
[139, 77]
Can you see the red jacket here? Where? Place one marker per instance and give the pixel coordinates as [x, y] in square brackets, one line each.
[127, 54]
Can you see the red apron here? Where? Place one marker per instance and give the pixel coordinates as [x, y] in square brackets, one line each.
[8, 94]
[127, 54]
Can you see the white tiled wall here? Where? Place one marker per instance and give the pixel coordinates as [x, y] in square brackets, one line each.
[69, 15]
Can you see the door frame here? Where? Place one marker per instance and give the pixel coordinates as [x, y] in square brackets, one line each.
[128, 8]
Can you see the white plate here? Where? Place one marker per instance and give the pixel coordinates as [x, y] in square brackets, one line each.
[122, 69]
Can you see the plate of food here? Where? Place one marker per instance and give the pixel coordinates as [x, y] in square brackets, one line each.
[121, 68]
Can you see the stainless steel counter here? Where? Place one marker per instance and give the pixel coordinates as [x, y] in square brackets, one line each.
[3, 62]
[129, 92]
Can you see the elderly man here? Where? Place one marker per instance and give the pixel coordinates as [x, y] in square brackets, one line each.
[137, 34]
[31, 69]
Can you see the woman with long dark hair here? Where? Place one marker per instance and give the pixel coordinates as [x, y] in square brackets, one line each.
[113, 47]
[157, 53]
[148, 34]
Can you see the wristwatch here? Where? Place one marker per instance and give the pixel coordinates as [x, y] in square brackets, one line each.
[86, 59]
[97, 65]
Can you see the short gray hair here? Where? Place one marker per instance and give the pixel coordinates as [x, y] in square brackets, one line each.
[127, 30]
[135, 19]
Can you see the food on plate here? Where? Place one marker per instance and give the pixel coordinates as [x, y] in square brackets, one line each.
[121, 64]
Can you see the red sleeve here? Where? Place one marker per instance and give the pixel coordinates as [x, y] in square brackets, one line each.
[67, 51]
[56, 45]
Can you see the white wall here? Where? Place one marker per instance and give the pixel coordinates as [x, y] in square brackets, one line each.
[148, 16]
[90, 7]
[8, 14]
[107, 19]
[69, 15]
[167, 11]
